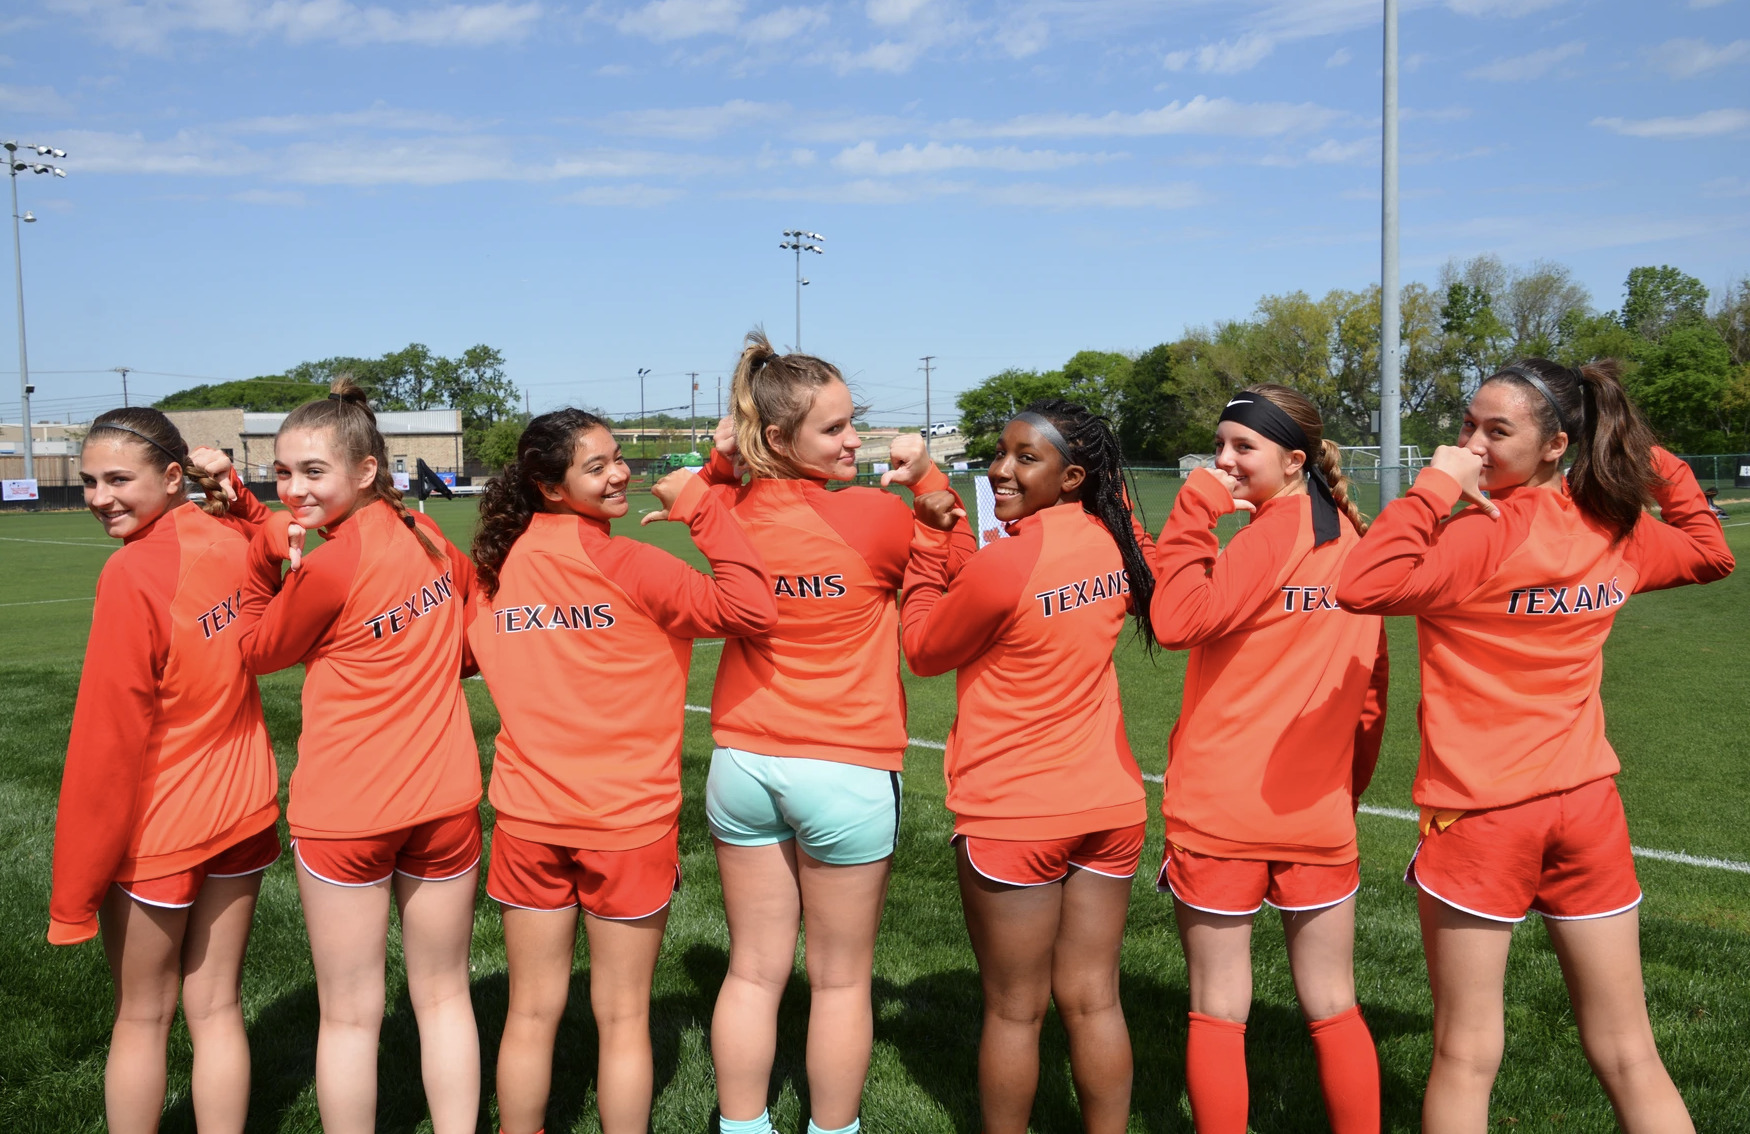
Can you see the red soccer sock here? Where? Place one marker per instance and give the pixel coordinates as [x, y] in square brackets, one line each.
[1215, 1075]
[1348, 1072]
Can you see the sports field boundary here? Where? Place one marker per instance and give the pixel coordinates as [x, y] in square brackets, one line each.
[1399, 813]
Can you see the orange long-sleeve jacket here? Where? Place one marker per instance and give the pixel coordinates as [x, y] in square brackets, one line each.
[377, 624]
[613, 619]
[1285, 694]
[169, 761]
[1038, 749]
[824, 682]
[1511, 618]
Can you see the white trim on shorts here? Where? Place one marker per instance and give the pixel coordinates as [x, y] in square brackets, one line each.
[667, 902]
[1639, 898]
[196, 898]
[1103, 873]
[1320, 906]
[1164, 886]
[335, 881]
[1412, 879]
[957, 838]
[445, 878]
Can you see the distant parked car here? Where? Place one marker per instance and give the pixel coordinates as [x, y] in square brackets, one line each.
[942, 428]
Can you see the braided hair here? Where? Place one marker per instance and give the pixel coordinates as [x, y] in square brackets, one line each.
[157, 437]
[1106, 494]
[543, 454]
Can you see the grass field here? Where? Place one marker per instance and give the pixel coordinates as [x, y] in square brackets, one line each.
[1677, 688]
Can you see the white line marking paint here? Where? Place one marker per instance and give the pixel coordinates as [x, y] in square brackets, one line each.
[47, 601]
[111, 544]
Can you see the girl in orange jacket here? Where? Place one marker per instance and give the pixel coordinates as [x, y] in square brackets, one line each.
[1049, 812]
[809, 718]
[1263, 775]
[1514, 598]
[588, 811]
[385, 798]
[169, 797]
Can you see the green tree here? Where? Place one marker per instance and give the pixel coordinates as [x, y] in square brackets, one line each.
[1732, 320]
[987, 407]
[1154, 422]
[1476, 342]
[497, 445]
[1657, 299]
[1682, 385]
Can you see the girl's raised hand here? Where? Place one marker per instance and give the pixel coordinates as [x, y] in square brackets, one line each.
[295, 545]
[1466, 468]
[667, 491]
[724, 439]
[938, 510]
[908, 461]
[215, 464]
[1232, 486]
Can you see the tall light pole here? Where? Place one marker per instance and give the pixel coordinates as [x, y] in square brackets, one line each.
[641, 373]
[16, 165]
[693, 414]
[927, 361]
[798, 241]
[1390, 355]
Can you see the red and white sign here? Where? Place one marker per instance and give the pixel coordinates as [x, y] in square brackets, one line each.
[18, 490]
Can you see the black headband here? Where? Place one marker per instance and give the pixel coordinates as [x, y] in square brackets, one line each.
[130, 429]
[1046, 430]
[1268, 420]
[1530, 377]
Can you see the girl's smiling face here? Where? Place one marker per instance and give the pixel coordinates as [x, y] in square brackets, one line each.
[1262, 469]
[1028, 474]
[313, 479]
[122, 489]
[826, 443]
[1501, 427]
[595, 480]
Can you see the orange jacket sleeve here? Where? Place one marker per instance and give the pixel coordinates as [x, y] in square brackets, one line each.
[734, 601]
[1689, 546]
[245, 506]
[947, 624]
[961, 544]
[112, 720]
[1201, 592]
[283, 620]
[1413, 558]
[719, 470]
[1370, 729]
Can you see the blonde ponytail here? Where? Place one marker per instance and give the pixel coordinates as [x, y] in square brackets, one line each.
[772, 389]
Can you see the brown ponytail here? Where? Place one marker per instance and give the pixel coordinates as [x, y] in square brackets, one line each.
[1328, 458]
[346, 413]
[159, 439]
[773, 389]
[1612, 477]
[512, 498]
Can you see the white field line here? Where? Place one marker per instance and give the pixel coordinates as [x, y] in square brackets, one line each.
[65, 542]
[1739, 524]
[47, 601]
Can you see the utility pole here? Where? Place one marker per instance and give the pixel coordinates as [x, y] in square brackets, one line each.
[1390, 356]
[641, 373]
[719, 397]
[693, 414]
[927, 361]
[123, 371]
[528, 407]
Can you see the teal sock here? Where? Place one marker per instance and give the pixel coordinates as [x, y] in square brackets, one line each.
[760, 1125]
[856, 1125]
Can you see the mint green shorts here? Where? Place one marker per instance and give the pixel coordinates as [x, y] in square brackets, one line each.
[841, 814]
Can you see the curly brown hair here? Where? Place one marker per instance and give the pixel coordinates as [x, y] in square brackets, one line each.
[512, 498]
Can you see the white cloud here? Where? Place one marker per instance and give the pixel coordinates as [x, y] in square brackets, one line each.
[694, 123]
[664, 20]
[621, 196]
[1705, 3]
[1687, 58]
[783, 23]
[1330, 152]
[1726, 187]
[1023, 37]
[1340, 57]
[1534, 65]
[1509, 8]
[150, 25]
[893, 57]
[1223, 58]
[33, 100]
[1201, 115]
[1707, 124]
[889, 13]
[865, 159]
[376, 118]
[1179, 195]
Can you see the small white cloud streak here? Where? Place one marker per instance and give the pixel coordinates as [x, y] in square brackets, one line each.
[783, 23]
[33, 100]
[1533, 65]
[1223, 58]
[1707, 124]
[890, 13]
[866, 160]
[1201, 115]
[665, 20]
[1687, 58]
[150, 26]
[693, 123]
[1726, 187]
[281, 198]
[1340, 57]
[622, 196]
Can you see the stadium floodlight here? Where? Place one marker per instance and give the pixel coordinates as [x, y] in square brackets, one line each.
[798, 241]
[14, 167]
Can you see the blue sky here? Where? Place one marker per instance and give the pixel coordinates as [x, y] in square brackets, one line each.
[599, 187]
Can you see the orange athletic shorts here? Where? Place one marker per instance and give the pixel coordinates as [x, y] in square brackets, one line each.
[1238, 887]
[178, 891]
[620, 885]
[1564, 855]
[434, 851]
[1039, 862]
